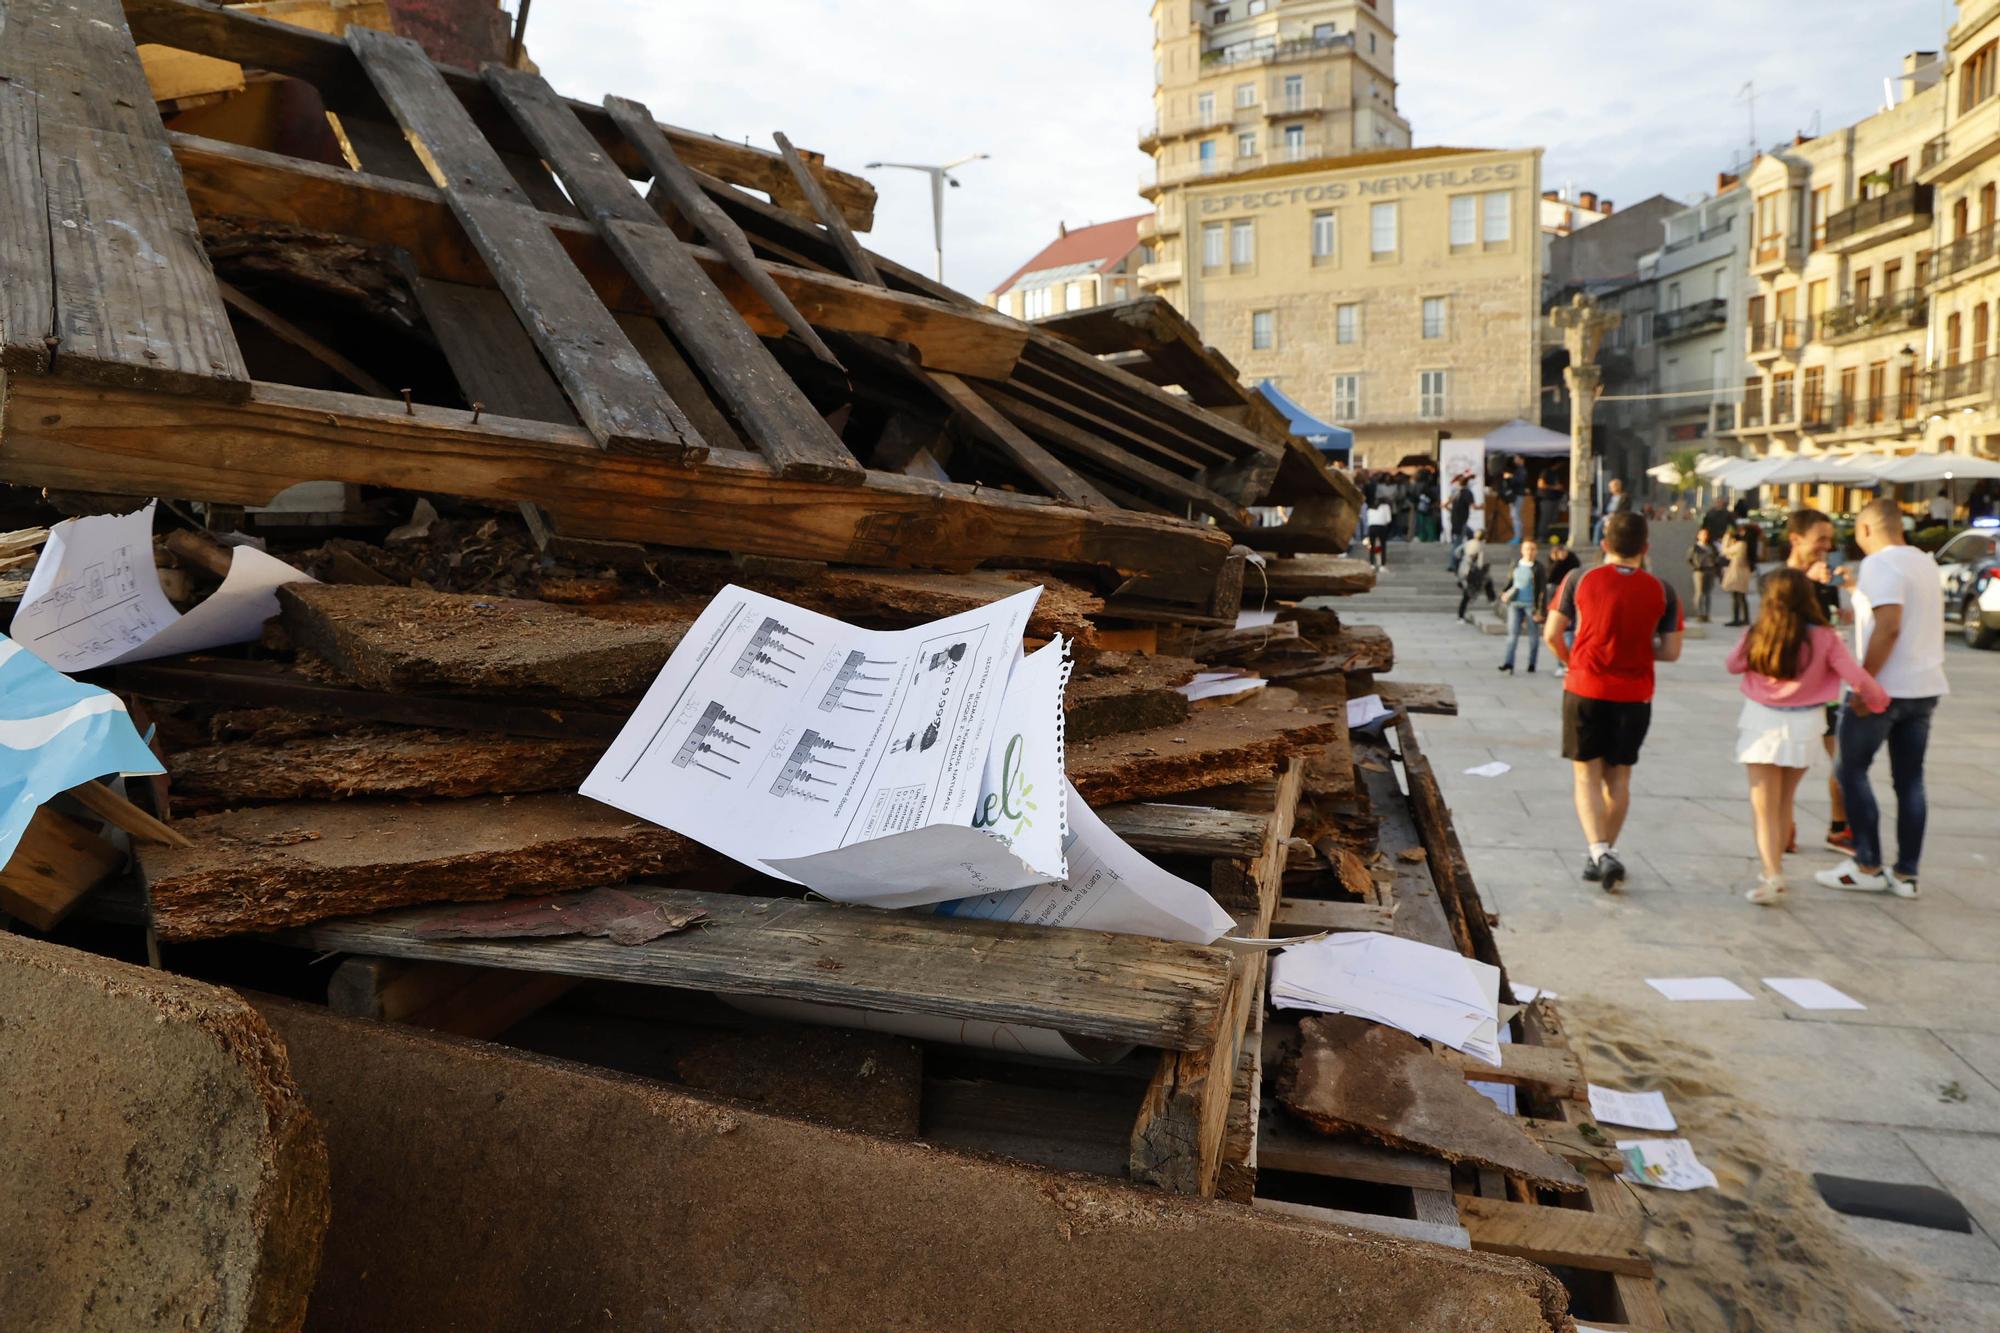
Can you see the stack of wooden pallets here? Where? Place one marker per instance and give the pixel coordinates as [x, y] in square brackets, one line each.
[625, 365]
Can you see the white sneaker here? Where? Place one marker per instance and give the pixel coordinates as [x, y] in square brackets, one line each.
[1848, 875]
[1902, 888]
[1767, 892]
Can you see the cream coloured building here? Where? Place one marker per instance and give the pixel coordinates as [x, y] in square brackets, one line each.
[1394, 290]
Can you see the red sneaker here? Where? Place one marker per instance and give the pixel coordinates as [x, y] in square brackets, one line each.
[1842, 842]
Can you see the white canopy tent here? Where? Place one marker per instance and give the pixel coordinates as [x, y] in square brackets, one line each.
[1527, 439]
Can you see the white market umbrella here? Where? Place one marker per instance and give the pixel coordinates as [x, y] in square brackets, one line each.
[1937, 467]
[1818, 469]
[1708, 465]
[1750, 474]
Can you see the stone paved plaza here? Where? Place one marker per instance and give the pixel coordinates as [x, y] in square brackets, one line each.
[1907, 1091]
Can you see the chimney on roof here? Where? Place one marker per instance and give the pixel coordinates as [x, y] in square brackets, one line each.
[1604, 207]
[1062, 229]
[1589, 201]
[1725, 181]
[1553, 196]
[1921, 70]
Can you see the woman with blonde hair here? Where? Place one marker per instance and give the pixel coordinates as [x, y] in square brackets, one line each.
[1792, 663]
[1736, 576]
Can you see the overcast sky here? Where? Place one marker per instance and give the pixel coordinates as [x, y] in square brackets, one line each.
[1630, 98]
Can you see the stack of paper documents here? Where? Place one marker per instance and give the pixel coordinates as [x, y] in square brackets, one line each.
[1429, 992]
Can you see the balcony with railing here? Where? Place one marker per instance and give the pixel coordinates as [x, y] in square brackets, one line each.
[1271, 50]
[1778, 337]
[1301, 104]
[1934, 152]
[1701, 317]
[1752, 415]
[1869, 319]
[1967, 379]
[1898, 213]
[1954, 261]
[1972, 139]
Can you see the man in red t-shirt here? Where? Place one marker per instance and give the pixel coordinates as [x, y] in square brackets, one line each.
[1625, 620]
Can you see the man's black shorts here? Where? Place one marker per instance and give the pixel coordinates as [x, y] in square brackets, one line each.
[1606, 729]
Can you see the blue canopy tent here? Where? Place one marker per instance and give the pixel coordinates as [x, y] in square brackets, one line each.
[1321, 435]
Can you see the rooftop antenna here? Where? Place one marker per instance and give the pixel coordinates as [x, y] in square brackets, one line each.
[1747, 94]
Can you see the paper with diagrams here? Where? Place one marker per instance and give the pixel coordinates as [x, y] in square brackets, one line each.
[95, 597]
[775, 733]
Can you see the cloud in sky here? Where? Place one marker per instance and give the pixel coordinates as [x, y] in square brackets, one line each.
[1629, 99]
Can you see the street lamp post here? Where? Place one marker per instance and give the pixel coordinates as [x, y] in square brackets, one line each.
[940, 177]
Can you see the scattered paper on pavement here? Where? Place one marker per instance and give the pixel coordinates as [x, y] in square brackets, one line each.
[54, 734]
[1634, 1110]
[1667, 1164]
[95, 597]
[1429, 992]
[1812, 993]
[1365, 710]
[1699, 988]
[1492, 770]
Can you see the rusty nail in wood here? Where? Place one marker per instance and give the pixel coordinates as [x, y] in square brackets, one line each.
[407, 409]
[477, 408]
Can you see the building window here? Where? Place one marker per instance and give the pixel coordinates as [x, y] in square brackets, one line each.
[1246, 144]
[1242, 243]
[1464, 221]
[1499, 227]
[1753, 401]
[1721, 278]
[1986, 206]
[1673, 296]
[1347, 323]
[1906, 395]
[1961, 219]
[1864, 279]
[1820, 199]
[1204, 108]
[1850, 388]
[1892, 277]
[1434, 316]
[1220, 16]
[1813, 396]
[1878, 392]
[1074, 297]
[1430, 394]
[1371, 43]
[1213, 255]
[1768, 234]
[1037, 302]
[1246, 94]
[1323, 236]
[1263, 330]
[1923, 270]
[1980, 314]
[1295, 143]
[1295, 92]
[1953, 327]
[1975, 78]
[1381, 230]
[1781, 397]
[1346, 397]
[1257, 7]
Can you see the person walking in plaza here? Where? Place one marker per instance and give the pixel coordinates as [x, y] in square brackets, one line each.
[1473, 576]
[1513, 489]
[1792, 663]
[1704, 568]
[1736, 578]
[1381, 515]
[1461, 513]
[1562, 564]
[1525, 599]
[1809, 541]
[1625, 621]
[1899, 635]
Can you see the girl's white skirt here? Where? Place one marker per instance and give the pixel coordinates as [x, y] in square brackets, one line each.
[1787, 737]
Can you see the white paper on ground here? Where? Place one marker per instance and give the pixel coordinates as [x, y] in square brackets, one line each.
[1219, 685]
[95, 597]
[1812, 993]
[1368, 708]
[1698, 988]
[1007, 1038]
[1430, 992]
[774, 732]
[1634, 1110]
[1256, 619]
[1111, 887]
[1529, 994]
[1492, 770]
[1667, 1164]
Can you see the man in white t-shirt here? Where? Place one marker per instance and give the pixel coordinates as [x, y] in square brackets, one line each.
[1899, 637]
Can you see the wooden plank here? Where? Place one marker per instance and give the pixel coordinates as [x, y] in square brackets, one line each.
[775, 415]
[1544, 1068]
[56, 862]
[1119, 987]
[1307, 916]
[859, 264]
[1160, 829]
[28, 297]
[1285, 1145]
[288, 332]
[69, 437]
[490, 354]
[227, 180]
[1079, 440]
[134, 300]
[1449, 868]
[324, 61]
[114, 809]
[1229, 441]
[1419, 696]
[1211, 748]
[614, 393]
[1435, 1233]
[680, 381]
[1054, 475]
[672, 179]
[1294, 577]
[1598, 1242]
[1584, 1144]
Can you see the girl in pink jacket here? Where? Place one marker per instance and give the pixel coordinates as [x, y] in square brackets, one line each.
[1792, 663]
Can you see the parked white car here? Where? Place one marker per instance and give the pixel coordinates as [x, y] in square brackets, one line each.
[1970, 563]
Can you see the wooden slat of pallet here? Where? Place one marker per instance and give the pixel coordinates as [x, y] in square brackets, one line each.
[1449, 868]
[114, 809]
[288, 332]
[1435, 1231]
[1419, 696]
[672, 179]
[227, 180]
[324, 61]
[133, 299]
[729, 502]
[28, 297]
[991, 425]
[1306, 916]
[56, 862]
[614, 392]
[1295, 577]
[490, 354]
[778, 418]
[1174, 353]
[1599, 1242]
[858, 263]
[1211, 748]
[1160, 829]
[1544, 1067]
[664, 358]
[1177, 1140]
[1569, 1141]
[1226, 439]
[1122, 988]
[1285, 1145]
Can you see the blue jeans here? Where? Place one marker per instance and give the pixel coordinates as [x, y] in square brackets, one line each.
[1906, 729]
[1521, 619]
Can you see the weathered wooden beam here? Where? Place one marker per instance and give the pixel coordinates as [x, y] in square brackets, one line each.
[1119, 987]
[1161, 829]
[1567, 1237]
[1212, 748]
[286, 331]
[324, 61]
[56, 862]
[56, 434]
[227, 180]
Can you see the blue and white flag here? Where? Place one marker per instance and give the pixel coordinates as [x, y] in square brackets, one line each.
[55, 734]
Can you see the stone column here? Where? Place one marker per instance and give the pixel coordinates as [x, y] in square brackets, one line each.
[1583, 327]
